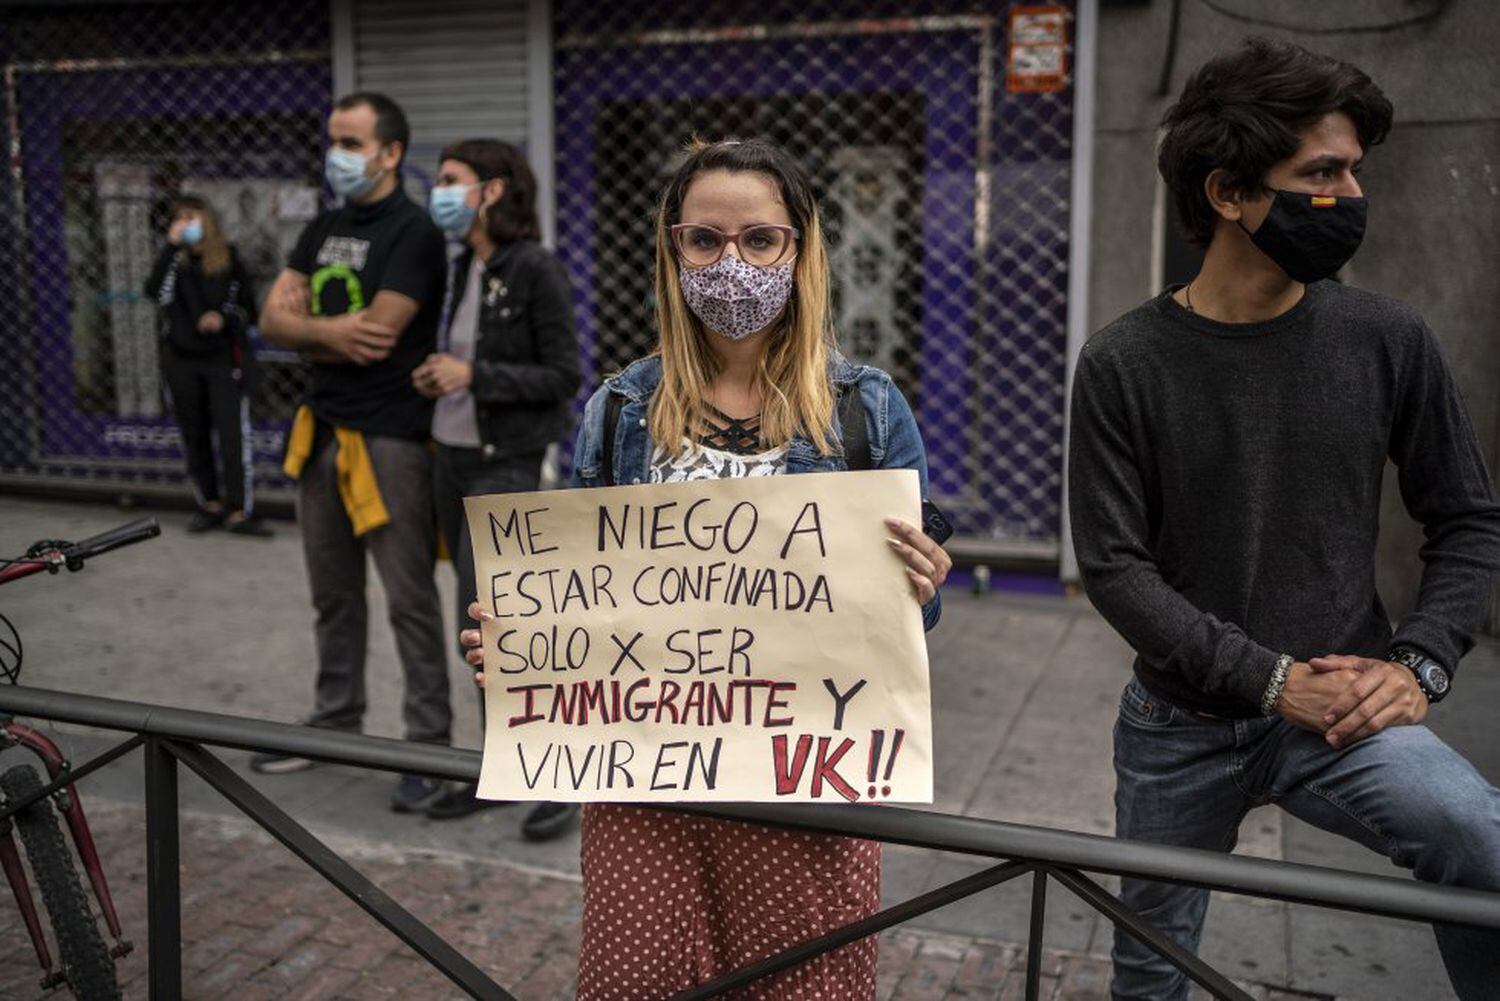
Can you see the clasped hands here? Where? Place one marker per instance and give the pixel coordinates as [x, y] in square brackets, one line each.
[1348, 698]
[441, 374]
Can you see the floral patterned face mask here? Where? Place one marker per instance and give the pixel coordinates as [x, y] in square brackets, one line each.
[735, 299]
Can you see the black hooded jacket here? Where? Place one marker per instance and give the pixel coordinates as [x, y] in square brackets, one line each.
[185, 293]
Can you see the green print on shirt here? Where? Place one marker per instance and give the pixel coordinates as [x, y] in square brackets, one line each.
[344, 273]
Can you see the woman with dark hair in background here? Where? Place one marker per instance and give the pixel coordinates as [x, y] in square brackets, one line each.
[208, 305]
[505, 379]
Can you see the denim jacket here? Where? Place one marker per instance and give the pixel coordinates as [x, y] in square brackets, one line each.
[895, 442]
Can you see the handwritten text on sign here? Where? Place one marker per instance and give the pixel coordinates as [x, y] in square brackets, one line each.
[743, 640]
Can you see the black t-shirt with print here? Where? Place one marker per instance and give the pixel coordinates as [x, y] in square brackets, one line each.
[349, 254]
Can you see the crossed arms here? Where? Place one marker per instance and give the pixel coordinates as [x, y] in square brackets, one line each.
[362, 337]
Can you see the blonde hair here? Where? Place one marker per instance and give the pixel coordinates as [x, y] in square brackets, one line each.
[213, 249]
[793, 377]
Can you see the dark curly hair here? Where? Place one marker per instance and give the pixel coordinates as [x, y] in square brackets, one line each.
[1243, 112]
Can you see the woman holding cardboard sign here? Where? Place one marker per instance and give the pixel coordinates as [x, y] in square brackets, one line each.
[746, 381]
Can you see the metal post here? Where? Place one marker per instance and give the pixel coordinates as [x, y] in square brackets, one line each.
[1034, 944]
[163, 891]
[541, 130]
[341, 21]
[1080, 245]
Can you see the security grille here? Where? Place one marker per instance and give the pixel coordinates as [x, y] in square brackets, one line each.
[945, 187]
[945, 191]
[457, 67]
[109, 111]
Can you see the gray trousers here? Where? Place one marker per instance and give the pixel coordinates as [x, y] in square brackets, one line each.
[404, 551]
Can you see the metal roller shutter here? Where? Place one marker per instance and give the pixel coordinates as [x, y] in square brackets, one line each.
[458, 67]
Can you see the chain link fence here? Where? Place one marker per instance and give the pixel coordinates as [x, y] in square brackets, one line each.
[110, 110]
[946, 194]
[945, 187]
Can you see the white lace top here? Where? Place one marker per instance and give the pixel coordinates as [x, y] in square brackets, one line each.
[700, 462]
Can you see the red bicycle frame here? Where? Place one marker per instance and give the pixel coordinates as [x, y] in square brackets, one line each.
[17, 734]
[54, 557]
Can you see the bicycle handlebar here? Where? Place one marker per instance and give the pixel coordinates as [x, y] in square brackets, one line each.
[73, 555]
[136, 531]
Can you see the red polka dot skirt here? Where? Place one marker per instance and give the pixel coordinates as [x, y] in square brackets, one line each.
[671, 901]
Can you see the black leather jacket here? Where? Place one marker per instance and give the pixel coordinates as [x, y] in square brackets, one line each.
[526, 366]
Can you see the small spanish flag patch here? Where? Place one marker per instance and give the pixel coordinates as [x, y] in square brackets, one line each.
[1324, 201]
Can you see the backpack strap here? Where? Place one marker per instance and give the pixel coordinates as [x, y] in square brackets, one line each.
[614, 403]
[856, 432]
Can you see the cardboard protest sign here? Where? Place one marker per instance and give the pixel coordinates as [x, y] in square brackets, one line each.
[745, 639]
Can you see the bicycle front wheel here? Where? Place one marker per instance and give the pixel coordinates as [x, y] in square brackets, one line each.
[86, 961]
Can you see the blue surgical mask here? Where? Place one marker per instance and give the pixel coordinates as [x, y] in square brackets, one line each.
[449, 207]
[192, 233]
[345, 171]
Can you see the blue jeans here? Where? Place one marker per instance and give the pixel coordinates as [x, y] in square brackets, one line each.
[1185, 779]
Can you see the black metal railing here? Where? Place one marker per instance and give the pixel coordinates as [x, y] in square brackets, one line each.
[172, 737]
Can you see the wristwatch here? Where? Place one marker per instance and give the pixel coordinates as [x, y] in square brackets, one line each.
[1432, 677]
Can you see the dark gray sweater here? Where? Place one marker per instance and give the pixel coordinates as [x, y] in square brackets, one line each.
[1225, 490]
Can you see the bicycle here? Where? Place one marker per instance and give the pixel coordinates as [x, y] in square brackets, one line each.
[86, 963]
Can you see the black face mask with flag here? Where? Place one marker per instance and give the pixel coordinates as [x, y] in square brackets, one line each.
[1310, 236]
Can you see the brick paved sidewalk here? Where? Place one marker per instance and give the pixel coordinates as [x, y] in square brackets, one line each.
[258, 924]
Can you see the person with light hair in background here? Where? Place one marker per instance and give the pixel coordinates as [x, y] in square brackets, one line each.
[207, 302]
